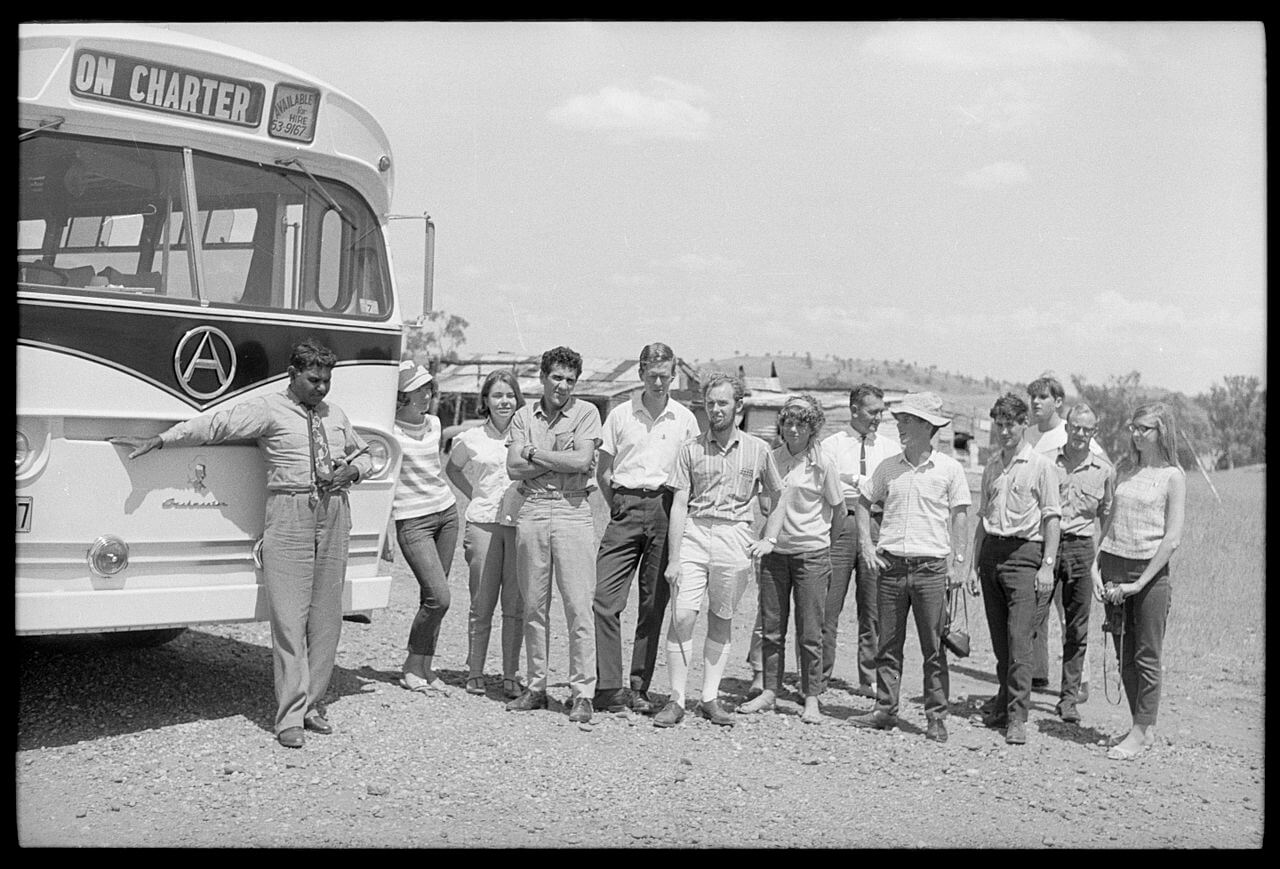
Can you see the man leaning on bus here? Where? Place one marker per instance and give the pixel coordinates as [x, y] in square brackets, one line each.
[305, 441]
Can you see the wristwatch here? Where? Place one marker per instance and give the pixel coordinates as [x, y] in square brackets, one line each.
[959, 556]
[773, 540]
[1048, 561]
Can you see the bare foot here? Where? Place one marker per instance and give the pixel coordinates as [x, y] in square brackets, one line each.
[762, 703]
[812, 714]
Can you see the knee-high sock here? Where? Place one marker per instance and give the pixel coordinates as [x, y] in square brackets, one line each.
[679, 651]
[715, 656]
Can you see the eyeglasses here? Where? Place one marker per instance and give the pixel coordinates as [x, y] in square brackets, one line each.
[1081, 429]
[1139, 428]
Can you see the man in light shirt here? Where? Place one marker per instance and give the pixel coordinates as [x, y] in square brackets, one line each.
[305, 441]
[857, 453]
[638, 450]
[1015, 546]
[920, 554]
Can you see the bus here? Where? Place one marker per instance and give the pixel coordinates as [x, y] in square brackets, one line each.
[187, 212]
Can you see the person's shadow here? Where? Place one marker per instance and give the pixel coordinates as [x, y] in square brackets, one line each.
[74, 689]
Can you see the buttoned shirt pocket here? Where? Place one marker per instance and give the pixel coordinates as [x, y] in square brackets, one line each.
[563, 441]
[745, 484]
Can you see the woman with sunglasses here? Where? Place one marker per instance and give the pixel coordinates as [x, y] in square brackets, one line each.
[1140, 535]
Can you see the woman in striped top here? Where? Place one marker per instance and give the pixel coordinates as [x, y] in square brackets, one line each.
[426, 521]
[477, 467]
[1131, 568]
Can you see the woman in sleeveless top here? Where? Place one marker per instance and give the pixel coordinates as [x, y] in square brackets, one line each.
[1131, 569]
[426, 521]
[478, 469]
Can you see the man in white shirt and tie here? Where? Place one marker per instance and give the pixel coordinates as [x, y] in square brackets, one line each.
[857, 453]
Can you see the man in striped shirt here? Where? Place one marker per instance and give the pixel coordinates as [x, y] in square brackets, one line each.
[918, 557]
[715, 478]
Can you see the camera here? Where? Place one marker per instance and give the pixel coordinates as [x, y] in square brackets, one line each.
[1113, 623]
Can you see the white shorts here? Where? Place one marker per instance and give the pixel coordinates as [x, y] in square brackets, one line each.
[714, 560]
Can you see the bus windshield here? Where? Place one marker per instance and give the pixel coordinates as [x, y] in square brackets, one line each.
[106, 218]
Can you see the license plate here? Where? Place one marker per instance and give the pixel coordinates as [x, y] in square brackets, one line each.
[24, 513]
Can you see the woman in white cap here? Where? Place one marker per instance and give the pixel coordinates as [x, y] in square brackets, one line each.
[426, 521]
[477, 467]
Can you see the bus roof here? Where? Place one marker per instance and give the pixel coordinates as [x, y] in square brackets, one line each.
[177, 89]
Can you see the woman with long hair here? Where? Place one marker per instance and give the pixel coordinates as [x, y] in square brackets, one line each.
[1131, 570]
[795, 554]
[477, 467]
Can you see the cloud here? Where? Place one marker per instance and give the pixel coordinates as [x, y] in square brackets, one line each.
[1002, 110]
[989, 44]
[664, 111]
[995, 175]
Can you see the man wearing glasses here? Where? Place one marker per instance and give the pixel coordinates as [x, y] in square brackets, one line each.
[1086, 483]
[857, 454]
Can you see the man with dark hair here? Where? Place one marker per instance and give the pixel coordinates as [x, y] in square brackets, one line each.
[305, 441]
[1016, 545]
[639, 446]
[551, 449]
[857, 454]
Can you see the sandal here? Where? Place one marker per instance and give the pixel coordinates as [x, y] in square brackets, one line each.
[414, 682]
[475, 685]
[1119, 752]
[512, 688]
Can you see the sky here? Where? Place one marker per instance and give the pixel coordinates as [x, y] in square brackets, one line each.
[995, 198]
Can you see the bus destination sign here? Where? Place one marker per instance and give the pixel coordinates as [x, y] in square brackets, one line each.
[293, 113]
[147, 84]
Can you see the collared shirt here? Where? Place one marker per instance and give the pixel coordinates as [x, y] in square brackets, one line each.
[576, 424]
[483, 460]
[278, 423]
[722, 482]
[644, 448]
[1049, 442]
[918, 500]
[1085, 491]
[421, 488]
[846, 448]
[811, 491]
[1016, 499]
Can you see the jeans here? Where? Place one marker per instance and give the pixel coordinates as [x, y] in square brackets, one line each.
[428, 544]
[1073, 585]
[1145, 617]
[1007, 568]
[636, 537]
[555, 542]
[806, 575]
[490, 550]
[919, 584]
[845, 567]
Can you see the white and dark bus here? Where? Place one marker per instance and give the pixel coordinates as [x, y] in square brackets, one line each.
[187, 211]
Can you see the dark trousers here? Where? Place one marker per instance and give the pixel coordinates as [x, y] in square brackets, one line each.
[844, 568]
[1073, 585]
[428, 543]
[636, 537]
[1145, 616]
[1007, 568]
[806, 576]
[918, 584]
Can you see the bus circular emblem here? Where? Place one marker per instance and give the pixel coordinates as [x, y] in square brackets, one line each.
[205, 362]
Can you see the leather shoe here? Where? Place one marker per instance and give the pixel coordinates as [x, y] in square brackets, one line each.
[936, 731]
[582, 710]
[1015, 733]
[710, 710]
[868, 691]
[640, 703]
[317, 723]
[877, 719]
[1067, 712]
[610, 701]
[291, 737]
[669, 715]
[996, 719]
[527, 701]
[991, 704]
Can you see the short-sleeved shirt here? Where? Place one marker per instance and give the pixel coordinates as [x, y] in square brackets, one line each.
[644, 448]
[1085, 492]
[421, 488]
[1049, 442]
[577, 423]
[847, 448]
[918, 500]
[483, 461]
[722, 482]
[811, 491]
[1015, 500]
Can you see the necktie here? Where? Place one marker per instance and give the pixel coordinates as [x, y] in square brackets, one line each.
[321, 463]
[862, 458]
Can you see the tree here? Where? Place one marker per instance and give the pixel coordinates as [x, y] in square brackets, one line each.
[1237, 413]
[434, 338]
[1115, 402]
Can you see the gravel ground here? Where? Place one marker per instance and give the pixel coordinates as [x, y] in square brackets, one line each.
[172, 747]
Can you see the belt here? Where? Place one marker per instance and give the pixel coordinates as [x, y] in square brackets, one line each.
[554, 495]
[1077, 537]
[875, 514]
[638, 493]
[1012, 539]
[913, 559]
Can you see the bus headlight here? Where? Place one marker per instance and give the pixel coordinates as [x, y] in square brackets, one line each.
[24, 450]
[379, 456]
[108, 555]
[257, 552]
